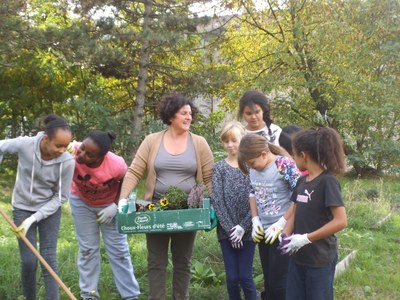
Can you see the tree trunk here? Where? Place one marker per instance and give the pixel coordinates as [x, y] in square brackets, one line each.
[138, 104]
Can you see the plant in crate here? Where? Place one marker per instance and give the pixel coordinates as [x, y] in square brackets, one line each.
[175, 198]
[196, 195]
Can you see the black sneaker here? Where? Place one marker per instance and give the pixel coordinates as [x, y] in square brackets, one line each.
[263, 295]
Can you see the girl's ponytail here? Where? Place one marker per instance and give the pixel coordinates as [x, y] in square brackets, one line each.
[324, 146]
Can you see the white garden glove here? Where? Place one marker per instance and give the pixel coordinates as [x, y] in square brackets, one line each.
[237, 245]
[106, 215]
[122, 206]
[295, 242]
[237, 233]
[257, 232]
[25, 225]
[274, 230]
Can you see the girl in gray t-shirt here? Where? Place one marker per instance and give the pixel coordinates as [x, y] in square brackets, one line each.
[273, 176]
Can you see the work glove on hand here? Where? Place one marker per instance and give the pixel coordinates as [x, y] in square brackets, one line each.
[295, 242]
[106, 215]
[26, 224]
[274, 230]
[282, 242]
[237, 245]
[237, 233]
[257, 232]
[122, 206]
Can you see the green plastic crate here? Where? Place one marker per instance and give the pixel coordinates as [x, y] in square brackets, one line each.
[167, 220]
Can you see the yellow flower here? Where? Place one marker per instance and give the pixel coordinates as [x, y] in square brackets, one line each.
[152, 206]
[164, 202]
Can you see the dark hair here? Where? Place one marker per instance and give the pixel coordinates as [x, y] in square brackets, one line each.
[53, 123]
[250, 98]
[170, 105]
[323, 145]
[285, 138]
[251, 146]
[102, 139]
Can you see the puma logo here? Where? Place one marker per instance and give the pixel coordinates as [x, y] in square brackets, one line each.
[308, 194]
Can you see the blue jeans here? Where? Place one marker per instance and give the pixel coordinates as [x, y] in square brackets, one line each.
[239, 270]
[310, 283]
[48, 236]
[88, 235]
[275, 268]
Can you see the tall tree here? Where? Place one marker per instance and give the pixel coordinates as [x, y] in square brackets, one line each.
[303, 53]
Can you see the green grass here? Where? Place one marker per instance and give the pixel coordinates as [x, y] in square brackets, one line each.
[372, 275]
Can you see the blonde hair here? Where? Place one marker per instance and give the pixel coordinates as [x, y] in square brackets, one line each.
[251, 146]
[232, 129]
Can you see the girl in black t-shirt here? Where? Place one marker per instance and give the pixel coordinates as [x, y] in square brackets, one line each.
[319, 213]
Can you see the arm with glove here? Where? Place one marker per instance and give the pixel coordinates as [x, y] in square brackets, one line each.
[240, 229]
[291, 244]
[236, 236]
[273, 232]
[106, 215]
[257, 232]
[25, 225]
[217, 201]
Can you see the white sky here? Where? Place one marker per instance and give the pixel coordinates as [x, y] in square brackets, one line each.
[214, 8]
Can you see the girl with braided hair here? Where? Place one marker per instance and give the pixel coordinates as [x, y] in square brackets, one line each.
[255, 110]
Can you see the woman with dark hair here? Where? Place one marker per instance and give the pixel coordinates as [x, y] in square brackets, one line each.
[256, 112]
[94, 194]
[44, 176]
[172, 157]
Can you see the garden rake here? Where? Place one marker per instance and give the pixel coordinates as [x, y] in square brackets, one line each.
[37, 254]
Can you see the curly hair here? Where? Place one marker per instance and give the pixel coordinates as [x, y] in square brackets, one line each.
[171, 104]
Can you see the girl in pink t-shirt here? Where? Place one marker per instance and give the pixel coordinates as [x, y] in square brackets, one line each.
[93, 200]
[97, 183]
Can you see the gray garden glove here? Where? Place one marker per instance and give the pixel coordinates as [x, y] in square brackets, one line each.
[106, 215]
